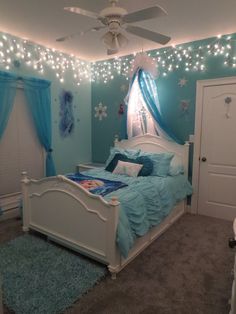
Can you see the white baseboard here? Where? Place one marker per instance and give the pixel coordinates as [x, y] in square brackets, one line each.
[10, 206]
[9, 214]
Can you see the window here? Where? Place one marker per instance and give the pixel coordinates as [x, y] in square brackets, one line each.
[139, 120]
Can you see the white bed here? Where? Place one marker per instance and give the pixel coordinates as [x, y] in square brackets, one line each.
[68, 214]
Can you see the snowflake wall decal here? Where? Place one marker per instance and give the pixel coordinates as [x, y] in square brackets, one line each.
[182, 82]
[100, 111]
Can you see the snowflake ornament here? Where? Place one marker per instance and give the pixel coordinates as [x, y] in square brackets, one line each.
[100, 111]
[182, 82]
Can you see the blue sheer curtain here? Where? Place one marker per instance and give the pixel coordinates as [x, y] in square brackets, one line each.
[149, 92]
[7, 94]
[38, 95]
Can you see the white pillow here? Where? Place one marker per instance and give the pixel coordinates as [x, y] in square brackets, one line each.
[128, 168]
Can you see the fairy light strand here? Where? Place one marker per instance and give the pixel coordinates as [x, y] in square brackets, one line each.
[189, 57]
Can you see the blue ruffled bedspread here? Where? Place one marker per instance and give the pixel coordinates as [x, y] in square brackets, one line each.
[145, 202]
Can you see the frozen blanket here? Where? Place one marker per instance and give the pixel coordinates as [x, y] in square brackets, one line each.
[96, 185]
[145, 202]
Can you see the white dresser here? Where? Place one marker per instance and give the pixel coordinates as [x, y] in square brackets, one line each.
[232, 244]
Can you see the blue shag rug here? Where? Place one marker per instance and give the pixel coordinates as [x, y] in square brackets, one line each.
[41, 278]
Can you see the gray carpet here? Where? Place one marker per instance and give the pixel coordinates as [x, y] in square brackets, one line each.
[186, 271]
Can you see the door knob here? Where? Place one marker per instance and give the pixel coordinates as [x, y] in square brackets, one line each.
[204, 159]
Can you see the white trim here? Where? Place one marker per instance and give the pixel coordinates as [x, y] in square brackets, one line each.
[197, 133]
[10, 206]
[10, 214]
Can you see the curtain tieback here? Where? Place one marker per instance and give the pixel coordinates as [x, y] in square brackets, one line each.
[50, 150]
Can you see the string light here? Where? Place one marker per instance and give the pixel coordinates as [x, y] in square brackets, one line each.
[190, 58]
[15, 51]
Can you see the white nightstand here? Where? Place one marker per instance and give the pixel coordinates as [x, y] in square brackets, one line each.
[89, 165]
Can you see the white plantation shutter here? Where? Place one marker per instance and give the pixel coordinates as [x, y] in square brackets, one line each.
[20, 149]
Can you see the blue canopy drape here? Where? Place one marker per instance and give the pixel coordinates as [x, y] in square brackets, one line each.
[148, 88]
[38, 98]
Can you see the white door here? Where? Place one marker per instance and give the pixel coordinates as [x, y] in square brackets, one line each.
[217, 180]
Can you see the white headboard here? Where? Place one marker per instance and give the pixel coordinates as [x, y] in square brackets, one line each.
[156, 144]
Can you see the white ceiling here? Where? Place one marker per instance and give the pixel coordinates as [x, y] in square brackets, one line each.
[45, 20]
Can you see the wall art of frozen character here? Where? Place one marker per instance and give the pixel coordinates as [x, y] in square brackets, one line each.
[67, 121]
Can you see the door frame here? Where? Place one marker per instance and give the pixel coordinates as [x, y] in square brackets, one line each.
[201, 84]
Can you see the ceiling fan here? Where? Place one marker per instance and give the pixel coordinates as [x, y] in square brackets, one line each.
[117, 20]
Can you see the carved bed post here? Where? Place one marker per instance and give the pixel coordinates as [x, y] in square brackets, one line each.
[114, 255]
[186, 158]
[25, 201]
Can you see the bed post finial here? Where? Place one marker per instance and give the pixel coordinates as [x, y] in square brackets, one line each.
[114, 201]
[24, 179]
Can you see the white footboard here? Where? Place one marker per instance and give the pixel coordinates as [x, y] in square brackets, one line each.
[75, 218]
[70, 215]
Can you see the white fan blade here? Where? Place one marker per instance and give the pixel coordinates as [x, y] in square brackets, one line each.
[111, 52]
[60, 39]
[145, 14]
[145, 33]
[71, 36]
[82, 12]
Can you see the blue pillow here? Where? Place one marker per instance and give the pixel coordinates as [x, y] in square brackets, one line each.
[146, 170]
[161, 163]
[130, 153]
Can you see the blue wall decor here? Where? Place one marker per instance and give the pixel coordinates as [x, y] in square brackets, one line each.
[66, 125]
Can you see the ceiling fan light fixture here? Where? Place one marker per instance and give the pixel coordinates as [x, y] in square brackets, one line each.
[122, 40]
[114, 45]
[107, 39]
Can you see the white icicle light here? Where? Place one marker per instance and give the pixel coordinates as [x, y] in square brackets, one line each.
[191, 58]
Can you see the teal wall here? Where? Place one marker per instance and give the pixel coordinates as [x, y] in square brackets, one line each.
[77, 148]
[170, 93]
[67, 152]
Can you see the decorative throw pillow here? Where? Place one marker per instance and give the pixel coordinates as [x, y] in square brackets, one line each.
[176, 170]
[143, 160]
[130, 153]
[127, 168]
[161, 163]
